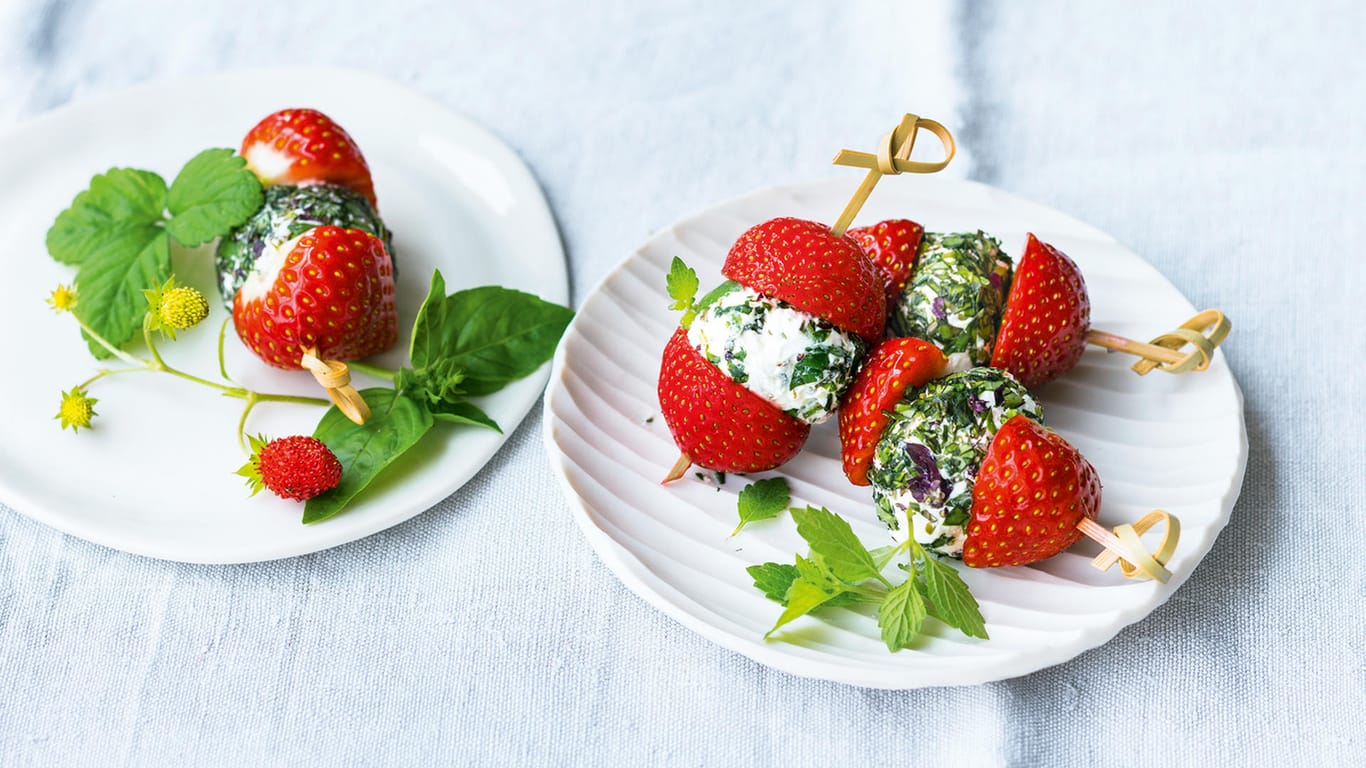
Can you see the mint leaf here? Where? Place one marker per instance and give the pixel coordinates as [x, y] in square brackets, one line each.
[396, 424]
[681, 283]
[120, 206]
[814, 587]
[773, 579]
[762, 500]
[111, 283]
[210, 196]
[883, 555]
[493, 335]
[834, 541]
[950, 600]
[464, 413]
[900, 615]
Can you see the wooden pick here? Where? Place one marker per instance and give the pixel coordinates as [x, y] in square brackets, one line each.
[1123, 546]
[679, 469]
[893, 157]
[1203, 332]
[335, 377]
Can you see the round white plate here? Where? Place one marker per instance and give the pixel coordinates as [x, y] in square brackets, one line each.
[1175, 442]
[155, 475]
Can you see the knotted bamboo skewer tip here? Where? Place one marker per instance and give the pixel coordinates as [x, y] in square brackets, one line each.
[893, 157]
[1124, 546]
[1204, 333]
[335, 377]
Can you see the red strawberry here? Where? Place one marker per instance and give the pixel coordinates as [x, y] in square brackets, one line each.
[892, 246]
[329, 288]
[1047, 315]
[295, 467]
[1031, 491]
[719, 424]
[893, 367]
[303, 146]
[803, 263]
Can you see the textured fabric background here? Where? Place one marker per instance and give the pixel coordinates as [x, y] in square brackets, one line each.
[1221, 140]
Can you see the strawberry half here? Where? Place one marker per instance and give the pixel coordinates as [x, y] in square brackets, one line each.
[893, 367]
[1047, 315]
[892, 246]
[304, 146]
[329, 288]
[1031, 491]
[719, 424]
[802, 263]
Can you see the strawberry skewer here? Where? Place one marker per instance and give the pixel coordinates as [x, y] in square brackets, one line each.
[757, 362]
[966, 461]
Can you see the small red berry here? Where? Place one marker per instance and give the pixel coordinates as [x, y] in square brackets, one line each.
[295, 467]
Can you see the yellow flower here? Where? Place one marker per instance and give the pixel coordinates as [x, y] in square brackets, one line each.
[63, 299]
[77, 409]
[174, 307]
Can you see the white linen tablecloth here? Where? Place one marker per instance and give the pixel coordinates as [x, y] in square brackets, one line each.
[1221, 140]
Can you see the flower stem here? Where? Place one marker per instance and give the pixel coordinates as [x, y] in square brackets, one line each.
[103, 342]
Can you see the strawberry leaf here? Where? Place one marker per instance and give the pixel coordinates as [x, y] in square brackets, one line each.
[111, 284]
[396, 424]
[900, 615]
[762, 500]
[210, 196]
[120, 205]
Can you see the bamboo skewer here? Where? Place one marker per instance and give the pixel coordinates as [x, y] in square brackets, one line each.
[335, 377]
[893, 157]
[1124, 546]
[1205, 331]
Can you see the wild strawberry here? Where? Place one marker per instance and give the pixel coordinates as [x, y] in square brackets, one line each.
[892, 368]
[174, 307]
[330, 288]
[804, 264]
[1047, 315]
[719, 424]
[295, 467]
[1031, 491]
[304, 146]
[892, 246]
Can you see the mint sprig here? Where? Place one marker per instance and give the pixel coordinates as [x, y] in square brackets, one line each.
[118, 233]
[839, 571]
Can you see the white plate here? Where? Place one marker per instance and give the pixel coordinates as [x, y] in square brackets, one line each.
[155, 475]
[1176, 442]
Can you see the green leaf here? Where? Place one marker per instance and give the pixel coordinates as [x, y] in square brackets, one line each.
[762, 500]
[120, 206]
[464, 413]
[950, 600]
[396, 424]
[883, 555]
[111, 283]
[900, 615]
[834, 541]
[210, 196]
[493, 335]
[773, 579]
[814, 587]
[682, 284]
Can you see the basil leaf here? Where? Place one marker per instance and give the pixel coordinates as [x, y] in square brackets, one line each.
[762, 500]
[464, 413]
[111, 283]
[396, 424]
[210, 196]
[900, 615]
[834, 541]
[120, 205]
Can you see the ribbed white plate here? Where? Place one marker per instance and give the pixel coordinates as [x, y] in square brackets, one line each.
[155, 475]
[1175, 442]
